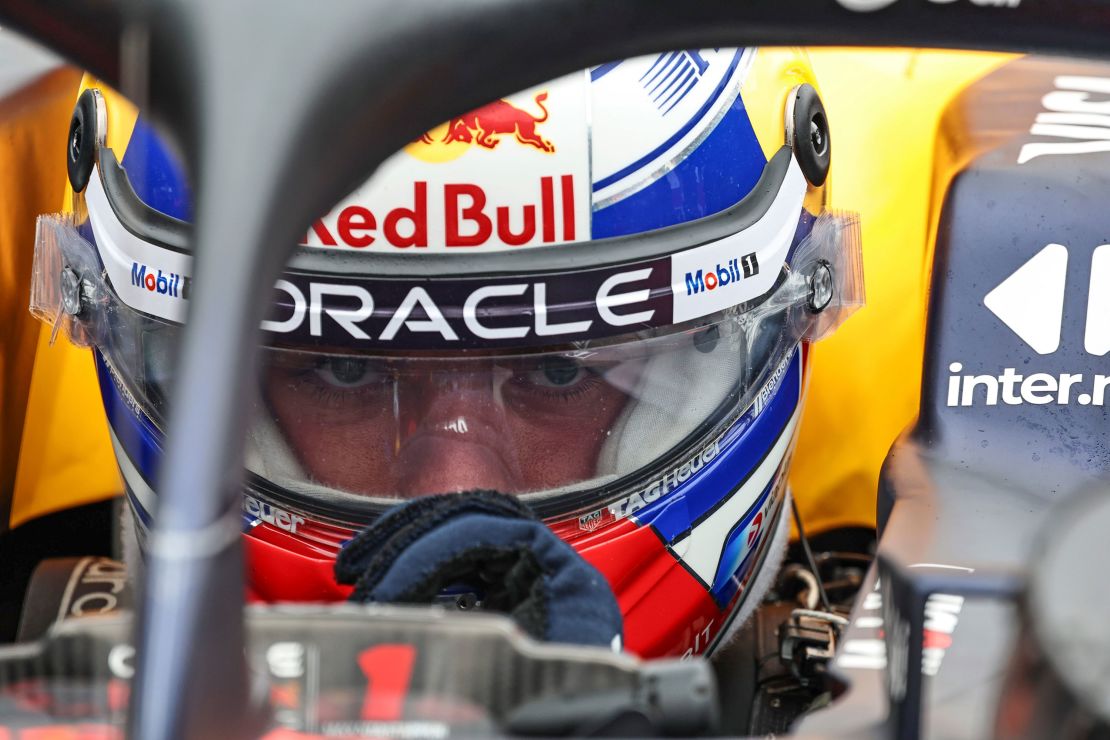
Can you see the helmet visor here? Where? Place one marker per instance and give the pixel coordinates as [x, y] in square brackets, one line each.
[399, 426]
[370, 389]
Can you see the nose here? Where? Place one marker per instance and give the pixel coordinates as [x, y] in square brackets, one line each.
[436, 465]
[453, 436]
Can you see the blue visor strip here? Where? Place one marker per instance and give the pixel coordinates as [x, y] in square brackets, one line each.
[155, 174]
[743, 447]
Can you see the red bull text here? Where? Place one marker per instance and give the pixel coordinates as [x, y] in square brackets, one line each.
[471, 218]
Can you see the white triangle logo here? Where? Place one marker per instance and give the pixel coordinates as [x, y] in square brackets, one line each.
[1097, 339]
[1031, 301]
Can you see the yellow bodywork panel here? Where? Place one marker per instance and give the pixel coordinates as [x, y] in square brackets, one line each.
[884, 108]
[64, 456]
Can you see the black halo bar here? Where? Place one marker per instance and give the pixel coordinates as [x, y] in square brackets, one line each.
[282, 108]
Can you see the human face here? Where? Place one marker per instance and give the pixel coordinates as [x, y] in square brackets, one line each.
[379, 428]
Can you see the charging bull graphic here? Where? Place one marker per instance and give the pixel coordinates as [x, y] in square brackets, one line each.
[486, 125]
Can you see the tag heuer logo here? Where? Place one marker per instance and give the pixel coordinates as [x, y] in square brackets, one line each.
[590, 522]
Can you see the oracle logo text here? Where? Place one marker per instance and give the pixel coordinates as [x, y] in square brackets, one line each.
[463, 313]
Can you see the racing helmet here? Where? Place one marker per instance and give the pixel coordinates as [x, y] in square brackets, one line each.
[595, 295]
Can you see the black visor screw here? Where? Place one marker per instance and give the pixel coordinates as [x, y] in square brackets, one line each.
[820, 287]
[75, 140]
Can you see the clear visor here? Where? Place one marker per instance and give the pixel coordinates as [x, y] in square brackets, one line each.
[530, 424]
[549, 423]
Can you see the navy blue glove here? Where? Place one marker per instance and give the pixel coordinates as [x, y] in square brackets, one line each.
[488, 544]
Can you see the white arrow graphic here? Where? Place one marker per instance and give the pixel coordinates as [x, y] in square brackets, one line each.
[1031, 301]
[1097, 338]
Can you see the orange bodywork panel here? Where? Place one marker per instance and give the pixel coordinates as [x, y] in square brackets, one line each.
[55, 451]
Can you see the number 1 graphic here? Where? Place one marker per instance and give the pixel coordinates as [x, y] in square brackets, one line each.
[388, 671]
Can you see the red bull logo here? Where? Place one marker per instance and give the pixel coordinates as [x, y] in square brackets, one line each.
[487, 126]
[466, 215]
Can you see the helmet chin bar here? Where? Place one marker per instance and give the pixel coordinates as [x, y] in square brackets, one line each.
[487, 542]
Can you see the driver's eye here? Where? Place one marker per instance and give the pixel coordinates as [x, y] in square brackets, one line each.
[559, 371]
[345, 372]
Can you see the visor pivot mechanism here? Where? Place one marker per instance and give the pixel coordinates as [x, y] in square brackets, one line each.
[807, 133]
[70, 300]
[820, 287]
[86, 133]
[71, 292]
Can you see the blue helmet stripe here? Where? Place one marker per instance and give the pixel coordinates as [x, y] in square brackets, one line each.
[158, 178]
[601, 70]
[730, 573]
[140, 440]
[714, 176]
[743, 447]
[140, 511]
[694, 120]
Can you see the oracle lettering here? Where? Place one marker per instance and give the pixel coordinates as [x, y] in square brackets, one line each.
[1077, 120]
[348, 318]
[606, 301]
[435, 321]
[470, 312]
[450, 312]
